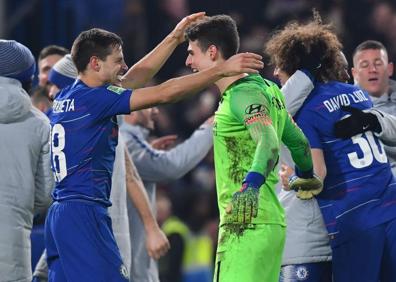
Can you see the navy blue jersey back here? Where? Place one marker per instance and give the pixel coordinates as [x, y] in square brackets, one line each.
[356, 194]
[83, 139]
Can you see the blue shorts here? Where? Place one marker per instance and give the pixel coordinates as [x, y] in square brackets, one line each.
[307, 272]
[370, 256]
[81, 245]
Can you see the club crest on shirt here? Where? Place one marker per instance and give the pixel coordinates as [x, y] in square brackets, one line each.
[116, 89]
[302, 273]
[124, 271]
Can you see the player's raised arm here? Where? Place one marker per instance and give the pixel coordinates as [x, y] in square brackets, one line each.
[178, 88]
[144, 70]
[383, 124]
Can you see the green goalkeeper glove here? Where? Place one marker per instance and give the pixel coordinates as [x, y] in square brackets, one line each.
[306, 188]
[244, 204]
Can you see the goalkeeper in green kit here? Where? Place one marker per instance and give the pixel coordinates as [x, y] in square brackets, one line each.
[250, 123]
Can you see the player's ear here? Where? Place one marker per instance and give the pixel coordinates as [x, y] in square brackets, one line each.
[94, 63]
[213, 52]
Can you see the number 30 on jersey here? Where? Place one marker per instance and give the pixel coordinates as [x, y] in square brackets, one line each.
[370, 149]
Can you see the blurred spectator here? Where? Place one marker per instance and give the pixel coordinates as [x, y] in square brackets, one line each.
[47, 59]
[26, 178]
[371, 71]
[63, 73]
[156, 165]
[171, 265]
[134, 30]
[191, 256]
[40, 99]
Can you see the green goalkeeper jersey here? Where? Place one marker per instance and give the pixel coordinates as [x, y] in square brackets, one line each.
[250, 123]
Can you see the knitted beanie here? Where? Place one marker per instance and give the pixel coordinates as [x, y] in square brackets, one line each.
[63, 73]
[16, 60]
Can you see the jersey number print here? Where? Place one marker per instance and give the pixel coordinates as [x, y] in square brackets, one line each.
[370, 151]
[58, 156]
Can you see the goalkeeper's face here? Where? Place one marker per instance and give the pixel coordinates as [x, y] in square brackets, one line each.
[199, 60]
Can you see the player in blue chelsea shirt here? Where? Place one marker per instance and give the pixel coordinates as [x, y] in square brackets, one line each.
[358, 202]
[79, 239]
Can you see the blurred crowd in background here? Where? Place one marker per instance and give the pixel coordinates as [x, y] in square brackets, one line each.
[143, 23]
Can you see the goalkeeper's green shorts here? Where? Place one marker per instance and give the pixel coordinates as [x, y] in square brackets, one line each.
[253, 256]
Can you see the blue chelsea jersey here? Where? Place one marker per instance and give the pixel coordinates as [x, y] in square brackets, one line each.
[84, 134]
[359, 189]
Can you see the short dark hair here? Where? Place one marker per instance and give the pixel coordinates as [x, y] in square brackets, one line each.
[94, 42]
[369, 44]
[52, 50]
[219, 30]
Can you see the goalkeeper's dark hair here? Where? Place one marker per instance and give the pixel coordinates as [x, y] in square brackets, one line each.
[287, 48]
[220, 31]
[369, 45]
[94, 42]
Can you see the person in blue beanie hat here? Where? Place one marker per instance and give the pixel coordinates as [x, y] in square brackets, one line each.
[17, 62]
[26, 179]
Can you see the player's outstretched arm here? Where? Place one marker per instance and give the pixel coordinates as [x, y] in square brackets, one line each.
[144, 70]
[176, 89]
[388, 127]
[159, 165]
[383, 124]
[156, 242]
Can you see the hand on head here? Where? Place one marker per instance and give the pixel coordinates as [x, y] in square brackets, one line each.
[242, 63]
[181, 27]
